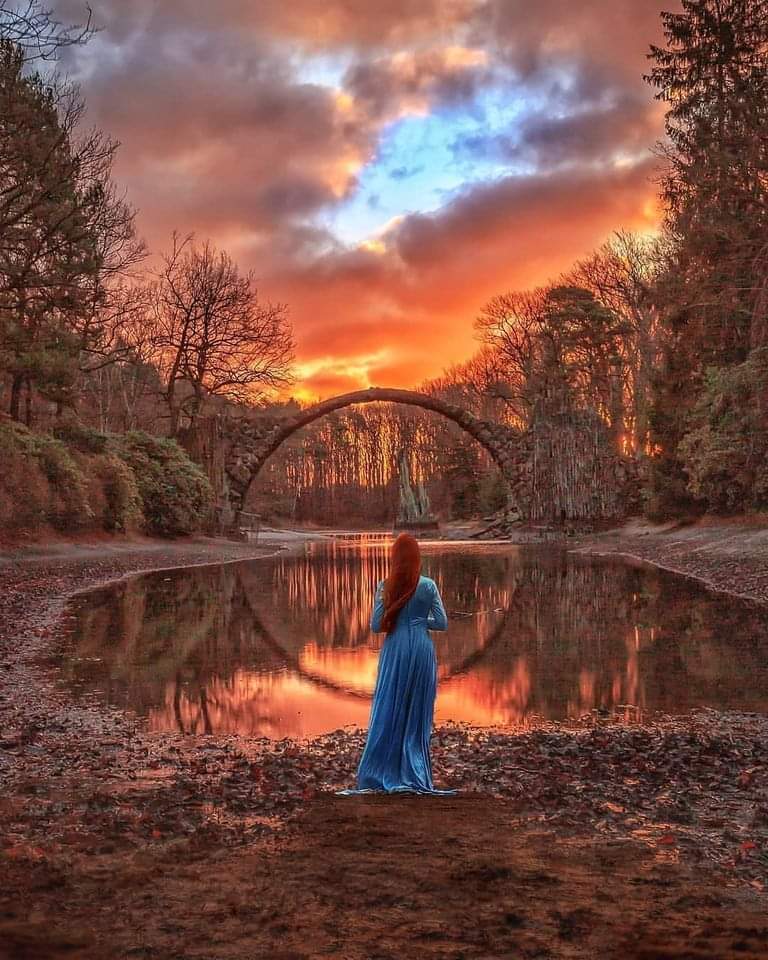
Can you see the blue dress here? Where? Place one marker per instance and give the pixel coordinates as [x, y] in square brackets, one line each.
[396, 756]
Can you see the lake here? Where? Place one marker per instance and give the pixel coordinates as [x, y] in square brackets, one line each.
[280, 647]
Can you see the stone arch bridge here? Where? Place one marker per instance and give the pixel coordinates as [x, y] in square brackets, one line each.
[556, 470]
[252, 442]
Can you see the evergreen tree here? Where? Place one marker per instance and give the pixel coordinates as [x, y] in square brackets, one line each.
[713, 73]
[64, 233]
[462, 474]
[581, 355]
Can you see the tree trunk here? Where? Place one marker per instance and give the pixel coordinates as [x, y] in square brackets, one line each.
[642, 385]
[174, 412]
[28, 402]
[15, 407]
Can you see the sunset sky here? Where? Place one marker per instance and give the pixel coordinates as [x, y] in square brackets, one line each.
[384, 166]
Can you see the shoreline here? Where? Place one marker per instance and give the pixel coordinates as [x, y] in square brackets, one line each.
[692, 552]
[37, 585]
[721, 557]
[711, 586]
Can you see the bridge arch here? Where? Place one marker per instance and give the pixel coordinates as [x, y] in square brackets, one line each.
[294, 665]
[252, 442]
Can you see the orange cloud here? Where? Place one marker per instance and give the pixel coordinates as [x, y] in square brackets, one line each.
[421, 296]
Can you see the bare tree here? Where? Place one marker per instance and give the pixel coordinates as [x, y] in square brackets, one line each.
[557, 348]
[510, 326]
[35, 30]
[478, 384]
[623, 274]
[211, 335]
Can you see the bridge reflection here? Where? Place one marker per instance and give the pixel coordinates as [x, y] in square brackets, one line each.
[282, 648]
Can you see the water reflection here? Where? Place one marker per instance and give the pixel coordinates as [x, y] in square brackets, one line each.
[282, 648]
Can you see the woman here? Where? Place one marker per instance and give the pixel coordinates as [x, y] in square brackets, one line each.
[407, 605]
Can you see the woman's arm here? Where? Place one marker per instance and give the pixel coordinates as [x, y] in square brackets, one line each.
[378, 609]
[437, 619]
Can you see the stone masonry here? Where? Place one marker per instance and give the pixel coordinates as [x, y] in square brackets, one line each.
[554, 471]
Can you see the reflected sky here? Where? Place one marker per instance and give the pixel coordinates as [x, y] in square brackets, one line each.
[281, 647]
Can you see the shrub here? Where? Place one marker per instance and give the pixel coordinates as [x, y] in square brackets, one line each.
[41, 481]
[69, 507]
[24, 488]
[122, 508]
[175, 493]
[80, 476]
[80, 437]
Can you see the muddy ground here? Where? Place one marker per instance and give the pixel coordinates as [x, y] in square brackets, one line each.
[371, 878]
[603, 841]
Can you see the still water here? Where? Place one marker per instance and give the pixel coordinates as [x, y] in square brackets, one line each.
[281, 647]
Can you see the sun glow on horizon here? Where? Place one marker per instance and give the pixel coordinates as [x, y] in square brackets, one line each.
[356, 372]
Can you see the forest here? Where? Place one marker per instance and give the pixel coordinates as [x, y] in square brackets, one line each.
[106, 345]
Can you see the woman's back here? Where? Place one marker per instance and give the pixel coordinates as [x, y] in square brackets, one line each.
[423, 598]
[424, 605]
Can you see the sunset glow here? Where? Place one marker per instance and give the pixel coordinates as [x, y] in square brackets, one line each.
[383, 168]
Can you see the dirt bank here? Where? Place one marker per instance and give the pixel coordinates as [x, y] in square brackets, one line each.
[727, 556]
[37, 582]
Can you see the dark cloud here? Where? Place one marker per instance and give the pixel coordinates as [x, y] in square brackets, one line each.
[625, 127]
[404, 173]
[218, 136]
[312, 24]
[520, 215]
[595, 133]
[449, 76]
[423, 292]
[590, 35]
[371, 24]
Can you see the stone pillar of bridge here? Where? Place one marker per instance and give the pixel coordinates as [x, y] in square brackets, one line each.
[207, 444]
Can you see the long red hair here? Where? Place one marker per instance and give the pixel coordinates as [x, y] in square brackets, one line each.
[404, 572]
